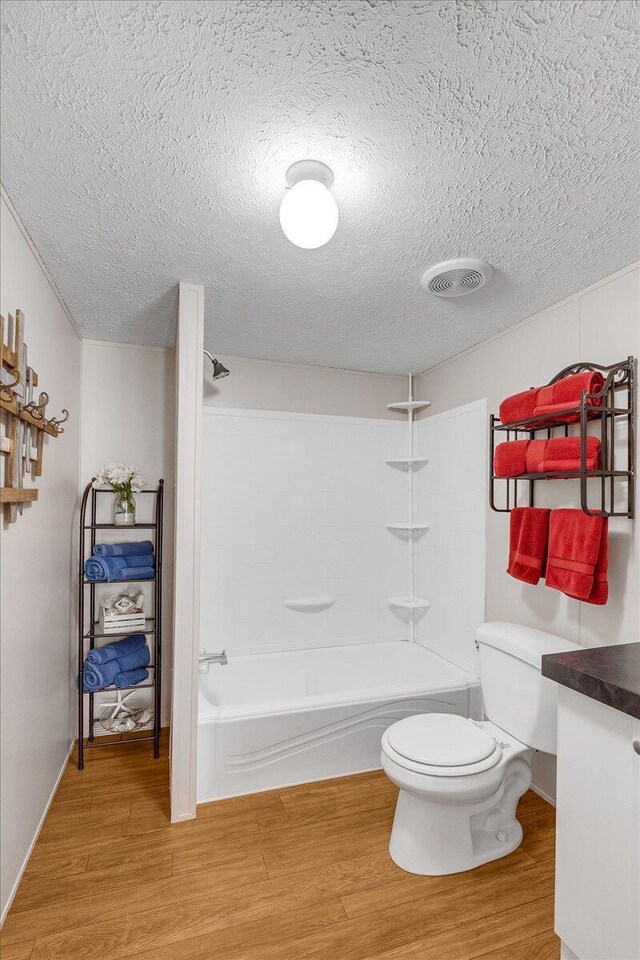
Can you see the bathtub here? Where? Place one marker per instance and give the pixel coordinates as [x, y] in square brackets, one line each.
[276, 719]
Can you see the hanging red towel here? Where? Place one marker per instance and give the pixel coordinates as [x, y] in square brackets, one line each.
[528, 535]
[520, 406]
[566, 394]
[578, 555]
[559, 454]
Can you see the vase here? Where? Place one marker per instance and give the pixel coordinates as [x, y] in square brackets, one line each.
[124, 510]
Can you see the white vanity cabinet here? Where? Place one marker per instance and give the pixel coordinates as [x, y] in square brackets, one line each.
[598, 830]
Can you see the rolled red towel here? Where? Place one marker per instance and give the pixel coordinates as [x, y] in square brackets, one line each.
[557, 455]
[528, 535]
[566, 394]
[520, 406]
[509, 458]
[577, 548]
[561, 454]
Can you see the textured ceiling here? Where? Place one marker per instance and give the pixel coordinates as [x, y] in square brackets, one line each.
[147, 142]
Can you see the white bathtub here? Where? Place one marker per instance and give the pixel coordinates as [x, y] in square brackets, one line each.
[275, 719]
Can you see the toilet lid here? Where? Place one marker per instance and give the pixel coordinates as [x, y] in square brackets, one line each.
[440, 740]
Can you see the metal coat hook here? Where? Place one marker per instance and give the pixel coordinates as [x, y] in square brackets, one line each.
[37, 409]
[55, 422]
[6, 388]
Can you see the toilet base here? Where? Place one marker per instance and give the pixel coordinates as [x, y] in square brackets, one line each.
[433, 838]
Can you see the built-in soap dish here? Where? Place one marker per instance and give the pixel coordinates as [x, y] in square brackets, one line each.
[310, 604]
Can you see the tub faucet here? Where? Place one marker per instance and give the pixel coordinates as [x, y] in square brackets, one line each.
[206, 659]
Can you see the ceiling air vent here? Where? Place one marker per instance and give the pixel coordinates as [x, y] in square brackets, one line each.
[456, 278]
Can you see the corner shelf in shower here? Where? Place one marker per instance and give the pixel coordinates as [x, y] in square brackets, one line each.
[409, 603]
[89, 632]
[618, 378]
[407, 462]
[409, 406]
[408, 527]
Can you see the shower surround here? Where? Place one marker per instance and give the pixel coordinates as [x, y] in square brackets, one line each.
[297, 569]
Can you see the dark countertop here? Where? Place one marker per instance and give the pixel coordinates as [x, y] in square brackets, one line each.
[608, 674]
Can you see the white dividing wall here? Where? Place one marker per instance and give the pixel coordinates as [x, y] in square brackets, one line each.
[186, 608]
[296, 506]
[450, 495]
[38, 570]
[128, 402]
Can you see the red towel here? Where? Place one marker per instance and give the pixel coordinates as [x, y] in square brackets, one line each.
[559, 454]
[566, 394]
[578, 555]
[520, 406]
[510, 458]
[528, 534]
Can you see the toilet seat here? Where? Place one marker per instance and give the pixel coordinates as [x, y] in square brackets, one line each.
[441, 745]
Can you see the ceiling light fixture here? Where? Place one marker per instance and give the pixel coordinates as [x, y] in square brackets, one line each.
[309, 212]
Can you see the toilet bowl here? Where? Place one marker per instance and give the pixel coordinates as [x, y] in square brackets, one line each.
[460, 780]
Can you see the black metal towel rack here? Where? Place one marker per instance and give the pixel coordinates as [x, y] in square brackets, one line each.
[88, 625]
[617, 406]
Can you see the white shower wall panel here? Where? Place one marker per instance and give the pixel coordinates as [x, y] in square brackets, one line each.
[294, 506]
[450, 492]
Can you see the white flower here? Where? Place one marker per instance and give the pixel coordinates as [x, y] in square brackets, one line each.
[120, 475]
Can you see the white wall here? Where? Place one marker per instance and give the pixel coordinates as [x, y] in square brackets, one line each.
[38, 554]
[450, 495]
[128, 403]
[264, 385]
[295, 506]
[602, 325]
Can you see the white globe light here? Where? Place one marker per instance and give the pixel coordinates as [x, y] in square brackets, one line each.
[308, 214]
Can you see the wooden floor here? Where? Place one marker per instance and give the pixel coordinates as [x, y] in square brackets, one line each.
[296, 874]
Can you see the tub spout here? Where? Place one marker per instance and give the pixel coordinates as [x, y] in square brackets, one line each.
[206, 659]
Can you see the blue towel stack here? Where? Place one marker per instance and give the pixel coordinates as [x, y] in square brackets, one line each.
[121, 561]
[121, 663]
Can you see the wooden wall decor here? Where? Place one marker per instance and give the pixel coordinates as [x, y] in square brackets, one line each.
[24, 420]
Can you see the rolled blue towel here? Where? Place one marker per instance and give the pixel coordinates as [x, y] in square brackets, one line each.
[95, 676]
[119, 568]
[118, 648]
[129, 678]
[140, 560]
[134, 573]
[99, 675]
[95, 569]
[123, 549]
[139, 657]
[103, 568]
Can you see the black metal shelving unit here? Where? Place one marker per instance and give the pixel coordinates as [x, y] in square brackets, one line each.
[617, 406]
[88, 632]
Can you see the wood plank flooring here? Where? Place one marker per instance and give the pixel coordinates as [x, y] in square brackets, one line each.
[301, 873]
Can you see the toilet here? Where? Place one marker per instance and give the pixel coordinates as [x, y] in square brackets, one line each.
[460, 780]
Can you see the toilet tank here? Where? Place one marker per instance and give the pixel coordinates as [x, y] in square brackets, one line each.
[517, 698]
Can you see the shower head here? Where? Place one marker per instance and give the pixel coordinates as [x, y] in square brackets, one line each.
[219, 371]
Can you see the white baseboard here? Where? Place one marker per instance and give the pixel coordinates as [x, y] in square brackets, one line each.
[566, 953]
[14, 889]
[544, 795]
